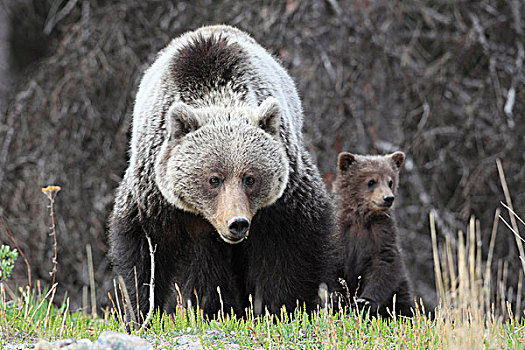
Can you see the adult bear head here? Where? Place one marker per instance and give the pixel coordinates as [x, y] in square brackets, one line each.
[223, 163]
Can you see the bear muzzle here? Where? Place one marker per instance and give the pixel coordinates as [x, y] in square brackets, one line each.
[238, 227]
[388, 200]
[383, 202]
[233, 217]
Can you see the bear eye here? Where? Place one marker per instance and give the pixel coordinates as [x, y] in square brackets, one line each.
[390, 183]
[215, 181]
[249, 180]
[371, 183]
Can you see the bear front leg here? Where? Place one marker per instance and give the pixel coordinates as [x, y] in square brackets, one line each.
[404, 298]
[131, 256]
[380, 282]
[290, 254]
[208, 275]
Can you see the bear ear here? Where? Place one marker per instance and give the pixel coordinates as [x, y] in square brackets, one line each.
[181, 120]
[268, 116]
[345, 161]
[398, 158]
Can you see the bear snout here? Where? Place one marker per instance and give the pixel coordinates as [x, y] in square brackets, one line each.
[382, 202]
[238, 227]
[388, 199]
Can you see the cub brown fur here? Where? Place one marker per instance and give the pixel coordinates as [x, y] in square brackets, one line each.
[373, 267]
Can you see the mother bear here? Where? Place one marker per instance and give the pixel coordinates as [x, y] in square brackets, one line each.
[221, 182]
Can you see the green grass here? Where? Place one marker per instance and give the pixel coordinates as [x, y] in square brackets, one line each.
[29, 318]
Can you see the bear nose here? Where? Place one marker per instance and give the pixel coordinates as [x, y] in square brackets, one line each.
[238, 226]
[389, 199]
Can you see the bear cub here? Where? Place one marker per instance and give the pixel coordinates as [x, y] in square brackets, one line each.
[373, 268]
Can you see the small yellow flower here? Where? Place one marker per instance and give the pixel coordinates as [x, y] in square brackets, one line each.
[49, 189]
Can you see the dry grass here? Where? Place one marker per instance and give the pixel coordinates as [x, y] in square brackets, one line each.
[471, 314]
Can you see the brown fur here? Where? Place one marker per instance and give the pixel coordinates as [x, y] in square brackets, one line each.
[208, 62]
[373, 267]
[217, 153]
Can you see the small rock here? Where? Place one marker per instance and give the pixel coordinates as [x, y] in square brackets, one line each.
[182, 341]
[188, 342]
[302, 333]
[214, 333]
[66, 344]
[82, 344]
[43, 345]
[121, 341]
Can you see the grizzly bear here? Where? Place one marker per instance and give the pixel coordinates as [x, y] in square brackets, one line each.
[374, 272]
[221, 182]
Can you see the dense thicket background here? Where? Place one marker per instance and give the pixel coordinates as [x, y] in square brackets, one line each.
[441, 80]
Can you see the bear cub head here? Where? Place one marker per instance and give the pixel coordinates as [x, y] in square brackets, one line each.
[223, 163]
[367, 185]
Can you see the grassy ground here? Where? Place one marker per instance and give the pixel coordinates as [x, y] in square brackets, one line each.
[467, 317]
[31, 317]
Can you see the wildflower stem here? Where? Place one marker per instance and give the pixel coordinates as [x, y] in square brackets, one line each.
[51, 192]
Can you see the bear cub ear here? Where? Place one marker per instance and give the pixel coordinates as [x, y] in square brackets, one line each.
[398, 158]
[268, 116]
[345, 160]
[181, 120]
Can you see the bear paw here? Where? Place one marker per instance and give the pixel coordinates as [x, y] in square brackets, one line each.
[367, 305]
